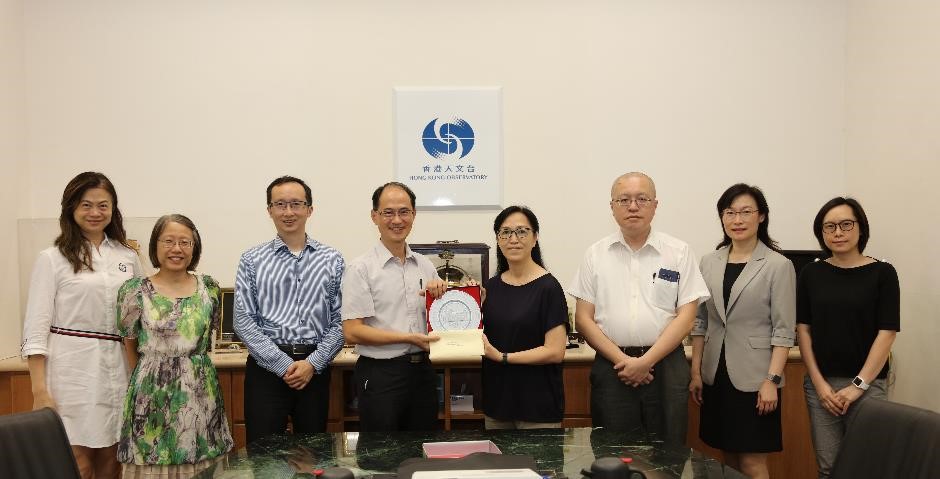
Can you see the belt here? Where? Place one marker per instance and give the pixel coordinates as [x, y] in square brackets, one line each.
[297, 349]
[84, 334]
[635, 351]
[413, 358]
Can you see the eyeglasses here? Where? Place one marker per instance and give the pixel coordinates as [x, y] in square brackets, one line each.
[283, 205]
[845, 225]
[403, 213]
[745, 215]
[641, 202]
[169, 244]
[521, 232]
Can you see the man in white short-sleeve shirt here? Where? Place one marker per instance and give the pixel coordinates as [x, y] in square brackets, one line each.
[384, 315]
[637, 291]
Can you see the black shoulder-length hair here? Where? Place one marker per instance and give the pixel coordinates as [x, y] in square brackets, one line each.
[860, 217]
[501, 263]
[728, 197]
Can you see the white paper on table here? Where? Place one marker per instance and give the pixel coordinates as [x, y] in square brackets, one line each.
[457, 345]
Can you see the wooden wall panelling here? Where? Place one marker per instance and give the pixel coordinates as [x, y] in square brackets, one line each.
[225, 385]
[22, 392]
[237, 406]
[334, 417]
[577, 389]
[238, 396]
[6, 394]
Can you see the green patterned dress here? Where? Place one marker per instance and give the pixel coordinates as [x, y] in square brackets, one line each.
[173, 411]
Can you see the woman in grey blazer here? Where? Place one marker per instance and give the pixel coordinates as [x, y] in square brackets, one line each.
[742, 334]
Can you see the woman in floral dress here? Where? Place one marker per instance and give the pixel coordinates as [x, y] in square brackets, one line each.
[174, 419]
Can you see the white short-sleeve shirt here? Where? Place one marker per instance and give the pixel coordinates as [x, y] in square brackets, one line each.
[636, 293]
[383, 291]
[86, 377]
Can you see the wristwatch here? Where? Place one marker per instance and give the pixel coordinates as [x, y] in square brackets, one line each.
[505, 358]
[860, 383]
[774, 378]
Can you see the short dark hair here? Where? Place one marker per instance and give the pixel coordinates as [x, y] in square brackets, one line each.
[289, 179]
[763, 228]
[501, 263]
[860, 217]
[158, 228]
[378, 193]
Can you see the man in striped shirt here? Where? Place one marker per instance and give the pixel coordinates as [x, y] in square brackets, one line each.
[287, 312]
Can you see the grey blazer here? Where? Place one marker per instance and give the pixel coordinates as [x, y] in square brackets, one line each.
[761, 313]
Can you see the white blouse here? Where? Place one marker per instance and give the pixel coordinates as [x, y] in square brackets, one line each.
[86, 377]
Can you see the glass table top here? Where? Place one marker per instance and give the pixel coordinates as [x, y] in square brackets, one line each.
[558, 453]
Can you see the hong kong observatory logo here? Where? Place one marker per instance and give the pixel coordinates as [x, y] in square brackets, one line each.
[452, 139]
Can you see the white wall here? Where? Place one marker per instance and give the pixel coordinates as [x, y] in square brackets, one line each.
[892, 155]
[194, 106]
[13, 160]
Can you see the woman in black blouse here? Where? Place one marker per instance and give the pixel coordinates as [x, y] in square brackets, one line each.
[848, 313]
[525, 320]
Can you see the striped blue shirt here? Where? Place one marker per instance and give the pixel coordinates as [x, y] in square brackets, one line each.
[282, 298]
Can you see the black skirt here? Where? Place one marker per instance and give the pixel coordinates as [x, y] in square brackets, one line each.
[729, 419]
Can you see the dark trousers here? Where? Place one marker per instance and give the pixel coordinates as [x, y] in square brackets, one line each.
[269, 401]
[396, 395]
[659, 408]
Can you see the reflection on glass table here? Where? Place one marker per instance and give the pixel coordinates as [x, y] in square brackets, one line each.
[559, 453]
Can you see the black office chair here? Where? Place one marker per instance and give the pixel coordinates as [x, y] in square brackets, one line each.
[34, 445]
[887, 439]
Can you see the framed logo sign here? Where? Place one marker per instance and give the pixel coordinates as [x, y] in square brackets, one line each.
[449, 145]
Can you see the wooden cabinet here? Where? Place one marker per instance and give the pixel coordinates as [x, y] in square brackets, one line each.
[458, 380]
[577, 395]
[232, 383]
[796, 460]
[16, 392]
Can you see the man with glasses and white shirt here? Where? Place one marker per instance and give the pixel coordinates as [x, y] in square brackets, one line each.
[637, 292]
[384, 315]
[287, 312]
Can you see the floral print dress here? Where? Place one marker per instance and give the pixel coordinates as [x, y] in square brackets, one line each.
[173, 411]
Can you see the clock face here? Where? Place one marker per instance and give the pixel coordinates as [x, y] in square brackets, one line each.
[455, 310]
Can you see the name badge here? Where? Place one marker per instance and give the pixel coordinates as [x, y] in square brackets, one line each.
[668, 275]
